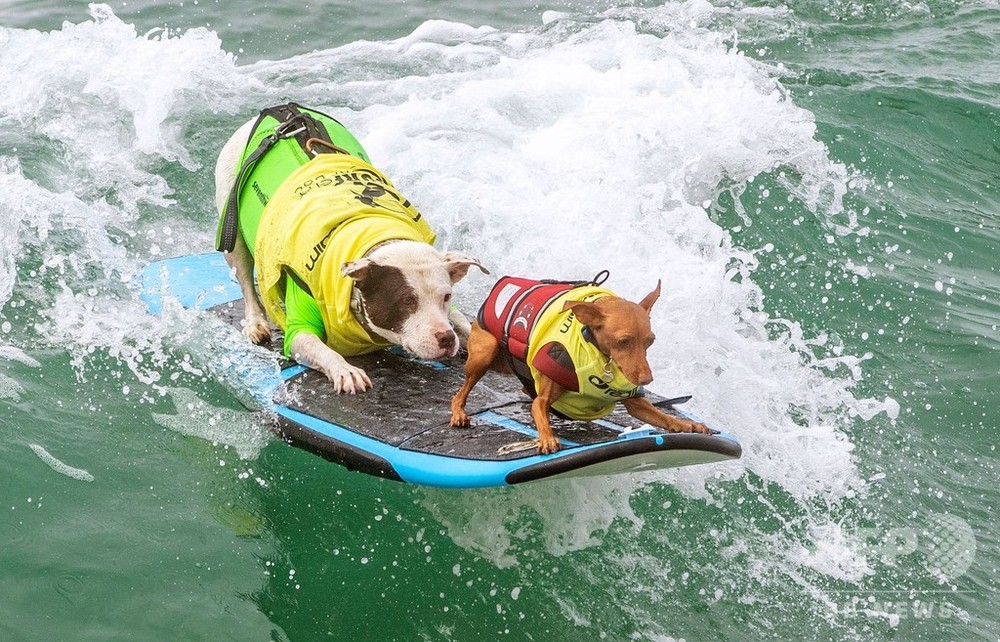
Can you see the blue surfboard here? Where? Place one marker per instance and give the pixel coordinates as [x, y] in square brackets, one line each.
[399, 430]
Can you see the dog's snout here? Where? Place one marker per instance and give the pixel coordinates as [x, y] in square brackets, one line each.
[446, 339]
[640, 375]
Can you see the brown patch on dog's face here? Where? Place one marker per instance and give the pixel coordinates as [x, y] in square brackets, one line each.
[406, 289]
[389, 298]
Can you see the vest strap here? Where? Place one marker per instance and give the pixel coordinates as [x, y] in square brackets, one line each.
[292, 122]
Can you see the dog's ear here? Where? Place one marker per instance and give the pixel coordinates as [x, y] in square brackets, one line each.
[588, 313]
[356, 270]
[458, 265]
[648, 301]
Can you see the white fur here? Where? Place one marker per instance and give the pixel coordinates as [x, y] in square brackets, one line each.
[255, 324]
[425, 272]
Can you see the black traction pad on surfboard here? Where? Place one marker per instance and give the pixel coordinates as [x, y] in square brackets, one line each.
[409, 405]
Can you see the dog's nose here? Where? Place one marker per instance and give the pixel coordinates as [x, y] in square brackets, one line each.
[643, 377]
[446, 339]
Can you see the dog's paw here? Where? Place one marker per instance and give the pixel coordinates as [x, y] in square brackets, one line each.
[349, 379]
[547, 445]
[695, 426]
[257, 330]
[459, 419]
[702, 428]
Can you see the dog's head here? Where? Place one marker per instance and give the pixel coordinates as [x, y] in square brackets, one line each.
[405, 290]
[622, 331]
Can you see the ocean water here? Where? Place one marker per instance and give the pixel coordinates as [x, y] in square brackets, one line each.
[816, 183]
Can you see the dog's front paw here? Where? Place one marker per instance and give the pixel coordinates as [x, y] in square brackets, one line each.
[547, 444]
[693, 426]
[257, 330]
[459, 419]
[702, 428]
[349, 379]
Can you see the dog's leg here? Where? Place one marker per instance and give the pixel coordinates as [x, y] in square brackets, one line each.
[240, 260]
[548, 392]
[460, 323]
[309, 350]
[643, 410]
[256, 326]
[484, 349]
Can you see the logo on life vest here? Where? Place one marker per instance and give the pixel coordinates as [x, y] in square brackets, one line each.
[260, 193]
[604, 387]
[525, 314]
[318, 249]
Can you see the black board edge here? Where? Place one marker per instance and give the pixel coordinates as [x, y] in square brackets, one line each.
[728, 448]
[338, 452]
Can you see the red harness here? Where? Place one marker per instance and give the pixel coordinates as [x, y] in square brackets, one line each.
[510, 312]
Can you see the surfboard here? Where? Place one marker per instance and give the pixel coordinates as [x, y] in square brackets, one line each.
[399, 430]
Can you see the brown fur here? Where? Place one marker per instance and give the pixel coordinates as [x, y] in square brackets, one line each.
[622, 331]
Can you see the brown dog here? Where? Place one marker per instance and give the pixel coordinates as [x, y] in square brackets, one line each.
[577, 347]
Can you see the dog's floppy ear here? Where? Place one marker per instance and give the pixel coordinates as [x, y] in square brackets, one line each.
[648, 301]
[458, 265]
[356, 270]
[588, 313]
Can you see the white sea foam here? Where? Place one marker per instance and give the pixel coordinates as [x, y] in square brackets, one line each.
[60, 467]
[243, 431]
[11, 353]
[10, 389]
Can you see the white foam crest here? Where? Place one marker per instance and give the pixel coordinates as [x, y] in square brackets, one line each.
[95, 109]
[148, 345]
[11, 353]
[110, 100]
[714, 118]
[572, 513]
[73, 234]
[85, 324]
[834, 552]
[160, 350]
[10, 389]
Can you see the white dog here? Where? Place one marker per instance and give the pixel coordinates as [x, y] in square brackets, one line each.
[345, 263]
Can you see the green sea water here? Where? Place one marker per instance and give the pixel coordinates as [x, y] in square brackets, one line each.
[816, 183]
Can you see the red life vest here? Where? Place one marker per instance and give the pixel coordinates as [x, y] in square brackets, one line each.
[510, 313]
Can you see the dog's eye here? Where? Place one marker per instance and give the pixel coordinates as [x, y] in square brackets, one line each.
[447, 298]
[408, 301]
[624, 342]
